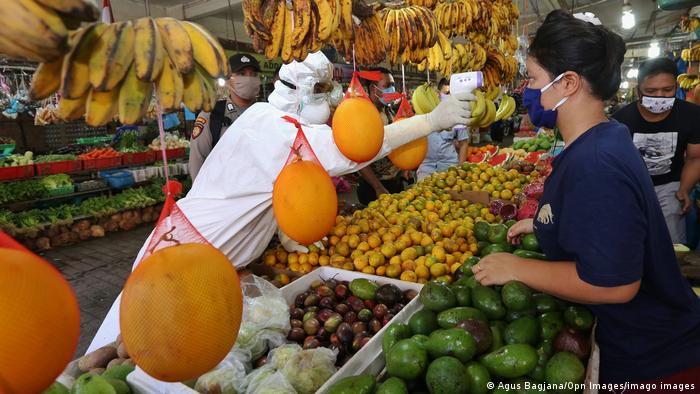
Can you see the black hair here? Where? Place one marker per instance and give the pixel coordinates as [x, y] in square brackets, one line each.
[563, 43]
[656, 66]
[442, 83]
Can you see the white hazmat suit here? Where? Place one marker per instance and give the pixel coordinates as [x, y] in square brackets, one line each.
[230, 202]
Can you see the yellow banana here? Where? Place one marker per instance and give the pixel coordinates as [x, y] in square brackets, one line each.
[45, 81]
[326, 19]
[277, 31]
[170, 87]
[38, 29]
[148, 50]
[177, 43]
[503, 108]
[492, 93]
[84, 10]
[112, 56]
[75, 74]
[207, 51]
[134, 97]
[287, 50]
[101, 107]
[302, 21]
[194, 91]
[490, 114]
[71, 109]
[210, 97]
[479, 106]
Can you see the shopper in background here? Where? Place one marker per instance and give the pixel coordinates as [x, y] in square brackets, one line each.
[230, 203]
[446, 148]
[242, 86]
[599, 221]
[667, 134]
[443, 87]
[381, 177]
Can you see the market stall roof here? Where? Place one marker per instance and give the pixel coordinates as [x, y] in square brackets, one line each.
[650, 20]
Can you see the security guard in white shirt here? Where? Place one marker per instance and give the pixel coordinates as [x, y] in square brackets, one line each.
[243, 86]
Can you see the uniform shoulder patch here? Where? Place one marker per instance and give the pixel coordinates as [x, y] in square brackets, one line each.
[198, 126]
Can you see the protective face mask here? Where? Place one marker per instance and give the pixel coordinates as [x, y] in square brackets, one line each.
[540, 117]
[388, 90]
[443, 96]
[245, 87]
[317, 110]
[658, 105]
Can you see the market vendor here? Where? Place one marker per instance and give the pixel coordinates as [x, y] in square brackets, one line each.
[446, 148]
[243, 87]
[599, 221]
[230, 202]
[382, 176]
[665, 131]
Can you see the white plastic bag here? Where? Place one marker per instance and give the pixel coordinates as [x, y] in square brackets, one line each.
[227, 377]
[274, 384]
[309, 369]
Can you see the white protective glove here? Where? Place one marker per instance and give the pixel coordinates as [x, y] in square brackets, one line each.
[291, 245]
[453, 110]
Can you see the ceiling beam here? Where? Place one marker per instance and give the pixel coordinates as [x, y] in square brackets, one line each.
[201, 8]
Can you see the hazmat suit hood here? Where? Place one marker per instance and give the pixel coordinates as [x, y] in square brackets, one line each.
[301, 101]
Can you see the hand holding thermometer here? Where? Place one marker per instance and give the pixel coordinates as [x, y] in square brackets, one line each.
[465, 82]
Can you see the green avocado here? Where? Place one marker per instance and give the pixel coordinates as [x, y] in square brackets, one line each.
[407, 359]
[550, 324]
[454, 342]
[511, 361]
[481, 230]
[530, 243]
[437, 296]
[423, 322]
[498, 234]
[525, 330]
[392, 385]
[564, 368]
[451, 317]
[446, 375]
[517, 296]
[487, 300]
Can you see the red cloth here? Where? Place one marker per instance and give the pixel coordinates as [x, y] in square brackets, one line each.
[687, 381]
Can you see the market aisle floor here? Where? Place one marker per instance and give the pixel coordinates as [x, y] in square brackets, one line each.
[97, 270]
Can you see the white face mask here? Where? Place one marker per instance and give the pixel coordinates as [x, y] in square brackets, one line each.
[658, 105]
[317, 110]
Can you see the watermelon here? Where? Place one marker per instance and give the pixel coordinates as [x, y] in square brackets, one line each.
[499, 159]
[533, 157]
[476, 158]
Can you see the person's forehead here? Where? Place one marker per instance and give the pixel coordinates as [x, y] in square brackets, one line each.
[658, 80]
[246, 69]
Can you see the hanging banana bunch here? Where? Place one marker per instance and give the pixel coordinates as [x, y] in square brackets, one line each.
[424, 3]
[110, 70]
[293, 33]
[424, 99]
[370, 41]
[411, 31]
[38, 30]
[455, 17]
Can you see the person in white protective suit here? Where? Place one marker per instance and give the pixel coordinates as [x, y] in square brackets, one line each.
[230, 202]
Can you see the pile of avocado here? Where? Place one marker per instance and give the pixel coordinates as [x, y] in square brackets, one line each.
[469, 336]
[541, 143]
[493, 238]
[112, 381]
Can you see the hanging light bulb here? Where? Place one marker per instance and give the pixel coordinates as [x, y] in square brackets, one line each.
[221, 82]
[654, 50]
[632, 73]
[628, 20]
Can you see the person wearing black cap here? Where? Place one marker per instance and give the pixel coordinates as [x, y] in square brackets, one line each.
[243, 86]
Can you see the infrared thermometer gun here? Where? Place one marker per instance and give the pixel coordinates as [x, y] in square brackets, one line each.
[465, 82]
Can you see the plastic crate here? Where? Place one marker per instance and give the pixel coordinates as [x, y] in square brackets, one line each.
[19, 172]
[139, 158]
[60, 191]
[175, 153]
[102, 163]
[58, 167]
[118, 179]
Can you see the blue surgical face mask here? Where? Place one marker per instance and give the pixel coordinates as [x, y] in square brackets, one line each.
[540, 117]
[388, 90]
